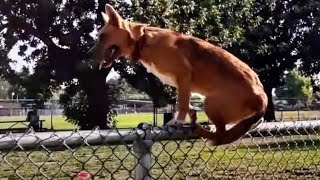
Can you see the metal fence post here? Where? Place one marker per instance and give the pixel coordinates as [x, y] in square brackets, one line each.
[142, 150]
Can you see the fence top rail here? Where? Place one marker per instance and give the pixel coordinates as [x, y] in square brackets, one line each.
[69, 139]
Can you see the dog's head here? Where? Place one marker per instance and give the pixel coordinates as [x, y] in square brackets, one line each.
[117, 38]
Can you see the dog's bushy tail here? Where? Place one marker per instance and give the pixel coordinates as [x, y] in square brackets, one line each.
[233, 134]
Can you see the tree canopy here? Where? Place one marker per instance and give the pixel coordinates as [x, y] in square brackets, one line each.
[57, 35]
[297, 88]
[280, 41]
[126, 91]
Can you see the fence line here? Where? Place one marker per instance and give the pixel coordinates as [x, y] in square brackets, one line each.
[272, 150]
[31, 139]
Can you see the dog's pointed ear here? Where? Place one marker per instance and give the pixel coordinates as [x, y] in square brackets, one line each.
[113, 16]
[105, 18]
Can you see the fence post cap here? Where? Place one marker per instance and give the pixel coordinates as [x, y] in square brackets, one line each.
[144, 126]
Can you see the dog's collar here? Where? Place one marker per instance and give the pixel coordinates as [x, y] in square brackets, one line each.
[136, 54]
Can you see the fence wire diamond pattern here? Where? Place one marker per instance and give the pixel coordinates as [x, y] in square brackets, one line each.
[280, 150]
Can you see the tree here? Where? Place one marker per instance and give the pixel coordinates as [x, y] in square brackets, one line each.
[280, 41]
[126, 91]
[79, 97]
[271, 36]
[316, 91]
[296, 88]
[57, 33]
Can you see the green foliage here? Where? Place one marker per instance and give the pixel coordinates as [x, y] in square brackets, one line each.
[279, 41]
[90, 105]
[297, 87]
[126, 90]
[76, 104]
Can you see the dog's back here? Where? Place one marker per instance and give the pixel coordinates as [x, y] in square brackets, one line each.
[203, 59]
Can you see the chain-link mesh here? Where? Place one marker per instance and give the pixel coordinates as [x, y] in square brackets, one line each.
[281, 150]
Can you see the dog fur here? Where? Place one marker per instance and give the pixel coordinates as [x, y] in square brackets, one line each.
[232, 90]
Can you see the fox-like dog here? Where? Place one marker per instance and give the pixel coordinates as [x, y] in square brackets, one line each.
[232, 90]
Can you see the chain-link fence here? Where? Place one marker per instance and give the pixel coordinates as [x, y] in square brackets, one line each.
[276, 150]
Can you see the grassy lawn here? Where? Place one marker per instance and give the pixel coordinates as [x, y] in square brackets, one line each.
[170, 160]
[123, 121]
[256, 158]
[132, 120]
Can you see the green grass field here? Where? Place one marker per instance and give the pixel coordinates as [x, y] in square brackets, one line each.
[173, 160]
[132, 120]
[294, 157]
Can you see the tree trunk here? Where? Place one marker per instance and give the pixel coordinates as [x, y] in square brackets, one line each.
[270, 114]
[95, 86]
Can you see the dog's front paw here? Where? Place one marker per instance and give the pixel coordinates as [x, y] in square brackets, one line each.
[175, 122]
[211, 143]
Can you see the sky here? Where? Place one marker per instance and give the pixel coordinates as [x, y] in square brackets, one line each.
[20, 63]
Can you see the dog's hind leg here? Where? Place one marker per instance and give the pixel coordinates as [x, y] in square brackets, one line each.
[210, 110]
[222, 113]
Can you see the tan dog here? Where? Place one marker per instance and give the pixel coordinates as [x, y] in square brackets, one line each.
[233, 92]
